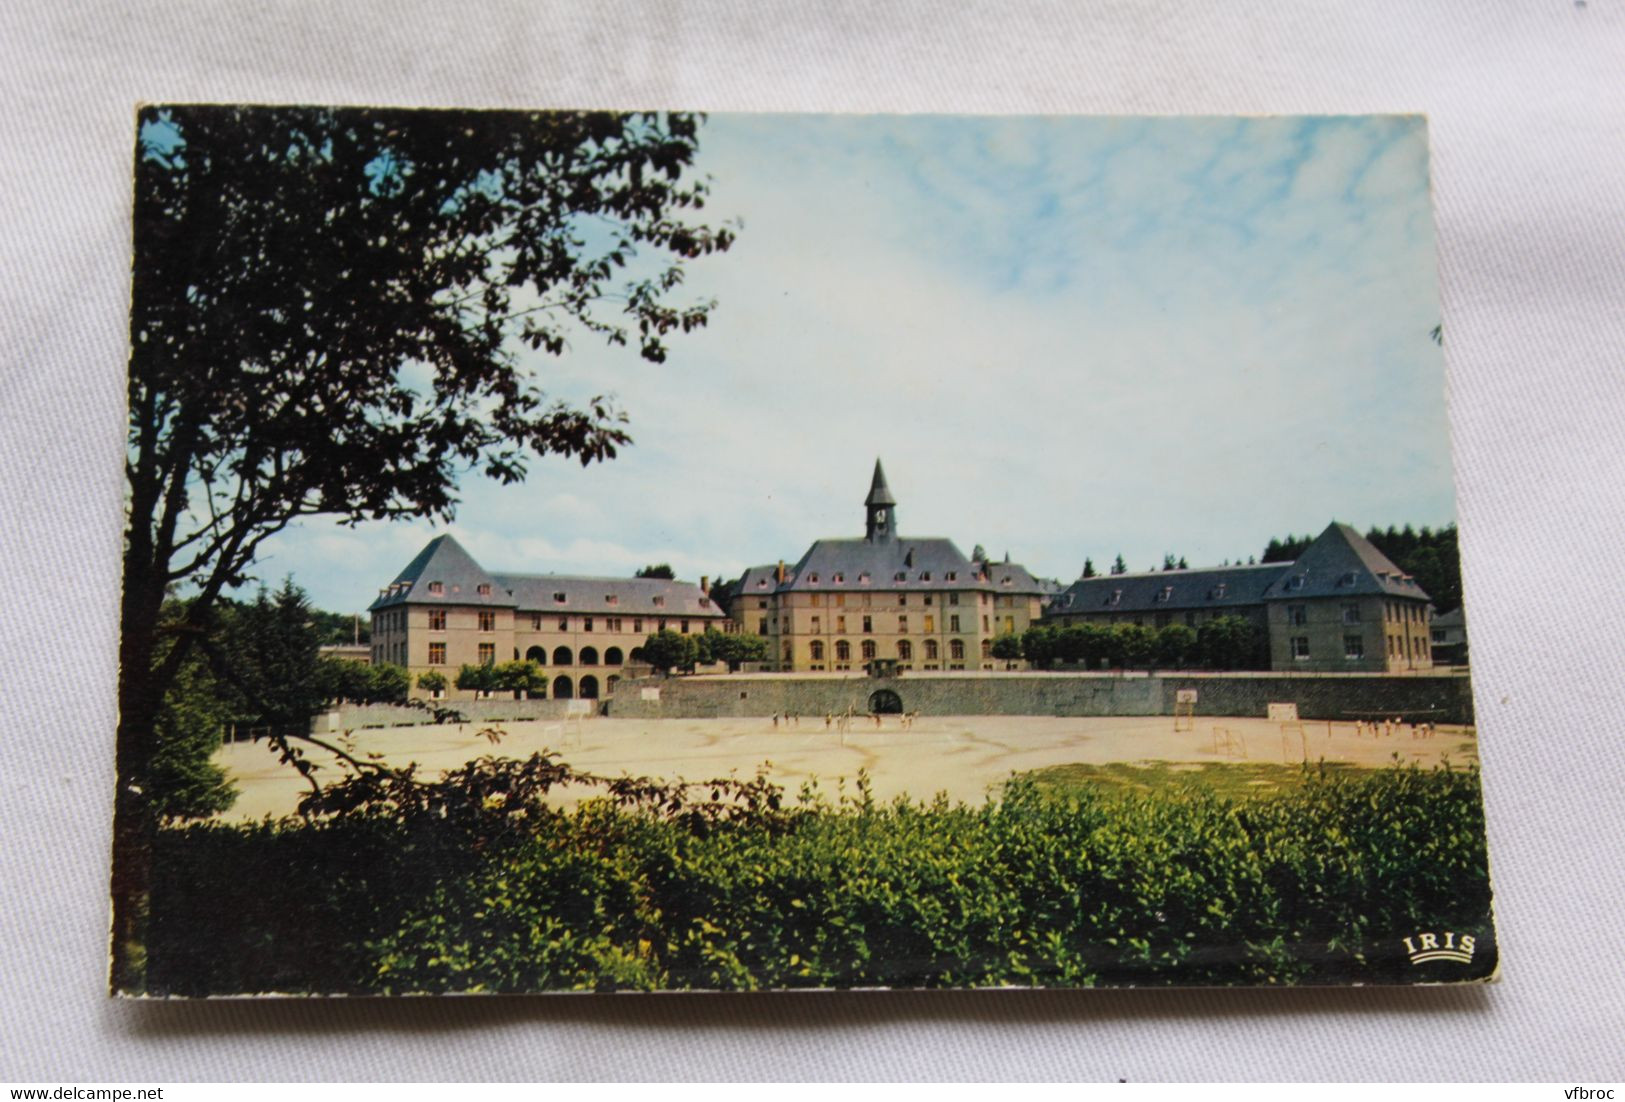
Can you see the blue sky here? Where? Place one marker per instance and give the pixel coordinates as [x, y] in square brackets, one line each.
[1066, 337]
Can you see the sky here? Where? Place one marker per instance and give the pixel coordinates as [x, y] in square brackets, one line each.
[1065, 338]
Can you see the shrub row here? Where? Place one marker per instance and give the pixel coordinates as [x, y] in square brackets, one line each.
[1181, 886]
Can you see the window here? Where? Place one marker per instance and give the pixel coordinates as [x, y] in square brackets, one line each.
[987, 648]
[925, 575]
[1166, 594]
[761, 602]
[611, 599]
[586, 623]
[868, 650]
[1116, 598]
[953, 575]
[484, 589]
[660, 602]
[682, 626]
[488, 654]
[660, 624]
[637, 626]
[905, 650]
[984, 622]
[863, 579]
[839, 578]
[1190, 619]
[931, 625]
[1163, 619]
[953, 622]
[817, 600]
[840, 600]
[868, 627]
[1218, 590]
[843, 651]
[437, 588]
[902, 600]
[1353, 646]
[1295, 582]
[900, 576]
[931, 650]
[488, 621]
[1351, 612]
[812, 579]
[536, 621]
[956, 649]
[1300, 647]
[612, 623]
[1009, 624]
[1348, 579]
[1438, 636]
[840, 623]
[1297, 615]
[437, 654]
[564, 623]
[902, 623]
[817, 624]
[953, 598]
[437, 619]
[928, 600]
[761, 626]
[816, 649]
[559, 598]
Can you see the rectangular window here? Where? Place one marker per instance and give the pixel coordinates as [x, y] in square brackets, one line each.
[1353, 646]
[586, 623]
[930, 623]
[1351, 612]
[437, 619]
[488, 621]
[488, 654]
[437, 654]
[660, 602]
[761, 626]
[483, 589]
[1300, 646]
[536, 621]
[902, 600]
[984, 624]
[928, 600]
[761, 602]
[637, 625]
[868, 625]
[1164, 619]
[840, 600]
[612, 624]
[564, 623]
[953, 598]
[902, 623]
[1297, 615]
[840, 623]
[1009, 625]
[682, 626]
[817, 600]
[817, 625]
[611, 599]
[953, 622]
[437, 588]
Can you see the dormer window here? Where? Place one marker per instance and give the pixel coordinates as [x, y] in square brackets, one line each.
[863, 579]
[1116, 598]
[761, 583]
[901, 576]
[437, 588]
[1006, 580]
[925, 575]
[484, 589]
[705, 602]
[812, 579]
[1348, 579]
[1218, 590]
[1167, 593]
[1295, 582]
[839, 578]
[953, 575]
[660, 602]
[559, 598]
[611, 599]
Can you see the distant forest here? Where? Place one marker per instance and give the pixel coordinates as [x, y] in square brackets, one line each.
[1429, 556]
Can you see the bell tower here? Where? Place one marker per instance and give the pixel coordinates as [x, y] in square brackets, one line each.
[882, 507]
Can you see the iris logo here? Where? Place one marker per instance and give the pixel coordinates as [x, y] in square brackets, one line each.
[1445, 946]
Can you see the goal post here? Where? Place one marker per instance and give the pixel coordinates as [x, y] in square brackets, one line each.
[1185, 710]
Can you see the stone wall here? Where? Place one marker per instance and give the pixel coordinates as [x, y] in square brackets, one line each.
[1438, 698]
[354, 717]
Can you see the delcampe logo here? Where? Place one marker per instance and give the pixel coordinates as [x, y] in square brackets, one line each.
[1424, 947]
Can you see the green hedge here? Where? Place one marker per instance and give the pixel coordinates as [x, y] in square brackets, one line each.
[1181, 886]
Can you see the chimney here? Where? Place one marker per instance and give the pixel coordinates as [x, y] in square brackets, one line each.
[705, 585]
[781, 572]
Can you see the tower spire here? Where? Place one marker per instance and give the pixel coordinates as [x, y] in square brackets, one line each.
[882, 509]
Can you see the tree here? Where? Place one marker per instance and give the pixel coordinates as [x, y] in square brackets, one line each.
[657, 570]
[432, 682]
[522, 677]
[1119, 566]
[1232, 643]
[667, 650]
[326, 316]
[1174, 646]
[1089, 568]
[1007, 647]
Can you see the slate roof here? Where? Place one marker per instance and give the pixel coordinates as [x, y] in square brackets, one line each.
[1011, 577]
[608, 596]
[1342, 563]
[443, 560]
[758, 580]
[879, 492]
[1215, 588]
[1455, 618]
[893, 564]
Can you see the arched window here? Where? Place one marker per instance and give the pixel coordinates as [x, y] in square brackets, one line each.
[956, 648]
[561, 656]
[843, 651]
[537, 655]
[589, 687]
[562, 689]
[589, 657]
[817, 649]
[612, 657]
[905, 650]
[868, 649]
[637, 654]
[931, 650]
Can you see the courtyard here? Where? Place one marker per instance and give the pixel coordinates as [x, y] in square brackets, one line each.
[962, 756]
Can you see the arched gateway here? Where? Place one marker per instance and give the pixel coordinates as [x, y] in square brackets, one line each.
[884, 702]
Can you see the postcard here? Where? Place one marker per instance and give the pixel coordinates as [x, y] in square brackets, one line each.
[595, 551]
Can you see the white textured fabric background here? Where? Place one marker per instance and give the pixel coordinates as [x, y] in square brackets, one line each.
[1527, 108]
